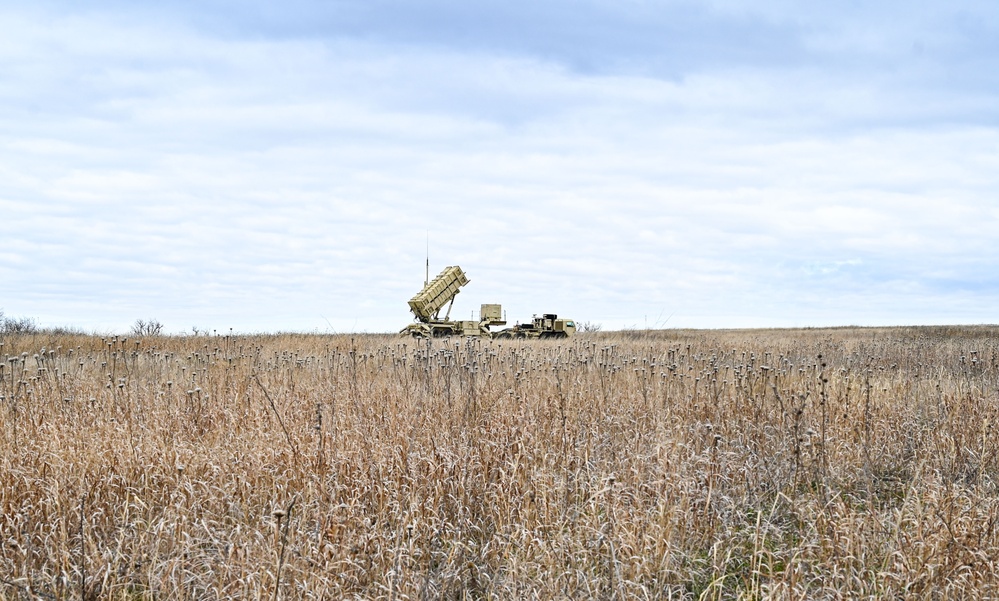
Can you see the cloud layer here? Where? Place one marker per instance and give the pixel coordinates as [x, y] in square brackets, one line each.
[635, 164]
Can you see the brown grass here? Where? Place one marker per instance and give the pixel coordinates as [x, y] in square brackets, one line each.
[841, 463]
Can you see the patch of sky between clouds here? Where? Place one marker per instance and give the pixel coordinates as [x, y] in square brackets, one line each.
[378, 123]
[668, 37]
[443, 92]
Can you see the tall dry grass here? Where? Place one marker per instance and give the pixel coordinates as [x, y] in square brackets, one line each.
[848, 463]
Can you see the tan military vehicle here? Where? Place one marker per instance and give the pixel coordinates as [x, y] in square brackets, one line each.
[440, 292]
[427, 304]
[548, 325]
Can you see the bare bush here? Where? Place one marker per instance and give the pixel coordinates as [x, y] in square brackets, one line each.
[144, 327]
[17, 325]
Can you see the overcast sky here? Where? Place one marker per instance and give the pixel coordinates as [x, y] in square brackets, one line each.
[271, 166]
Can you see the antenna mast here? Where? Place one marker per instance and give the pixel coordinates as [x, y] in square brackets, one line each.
[426, 280]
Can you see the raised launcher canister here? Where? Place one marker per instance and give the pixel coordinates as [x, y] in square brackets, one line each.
[437, 293]
[440, 291]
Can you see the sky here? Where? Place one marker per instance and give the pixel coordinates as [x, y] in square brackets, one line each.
[263, 166]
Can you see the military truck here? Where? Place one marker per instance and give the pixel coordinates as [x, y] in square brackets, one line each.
[427, 304]
[547, 326]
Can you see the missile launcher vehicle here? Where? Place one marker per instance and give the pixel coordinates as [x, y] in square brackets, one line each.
[441, 291]
[427, 304]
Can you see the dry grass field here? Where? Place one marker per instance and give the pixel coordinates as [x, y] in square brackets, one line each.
[785, 464]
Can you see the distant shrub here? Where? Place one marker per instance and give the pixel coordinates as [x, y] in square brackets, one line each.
[149, 327]
[17, 325]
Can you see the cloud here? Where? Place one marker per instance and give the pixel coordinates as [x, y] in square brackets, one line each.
[282, 171]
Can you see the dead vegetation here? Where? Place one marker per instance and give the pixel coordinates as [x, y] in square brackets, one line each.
[843, 463]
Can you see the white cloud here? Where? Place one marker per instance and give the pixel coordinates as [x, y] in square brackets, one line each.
[156, 170]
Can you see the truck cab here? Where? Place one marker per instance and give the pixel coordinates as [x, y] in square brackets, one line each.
[550, 324]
